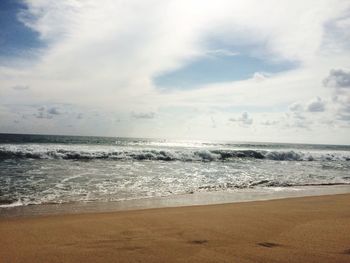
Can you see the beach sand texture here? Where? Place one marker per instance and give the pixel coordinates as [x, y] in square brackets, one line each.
[308, 229]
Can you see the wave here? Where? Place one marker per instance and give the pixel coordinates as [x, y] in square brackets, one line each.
[11, 203]
[266, 183]
[34, 152]
[262, 184]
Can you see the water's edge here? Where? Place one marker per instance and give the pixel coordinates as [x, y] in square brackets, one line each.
[198, 198]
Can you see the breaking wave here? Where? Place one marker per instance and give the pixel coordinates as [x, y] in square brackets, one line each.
[75, 153]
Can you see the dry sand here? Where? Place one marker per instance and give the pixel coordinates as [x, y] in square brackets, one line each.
[308, 229]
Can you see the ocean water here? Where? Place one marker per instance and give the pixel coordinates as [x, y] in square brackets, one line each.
[43, 169]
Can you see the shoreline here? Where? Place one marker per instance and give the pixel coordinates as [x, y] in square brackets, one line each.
[303, 229]
[182, 200]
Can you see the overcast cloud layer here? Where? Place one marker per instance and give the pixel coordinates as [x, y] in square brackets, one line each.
[96, 73]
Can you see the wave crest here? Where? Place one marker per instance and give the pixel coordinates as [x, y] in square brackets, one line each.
[76, 153]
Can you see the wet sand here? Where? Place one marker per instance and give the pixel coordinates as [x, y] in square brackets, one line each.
[306, 229]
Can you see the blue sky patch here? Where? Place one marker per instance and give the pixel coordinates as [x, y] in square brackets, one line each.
[219, 65]
[15, 38]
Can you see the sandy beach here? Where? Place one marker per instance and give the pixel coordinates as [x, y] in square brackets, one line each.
[307, 229]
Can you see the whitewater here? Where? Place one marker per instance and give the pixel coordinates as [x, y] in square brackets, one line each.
[42, 169]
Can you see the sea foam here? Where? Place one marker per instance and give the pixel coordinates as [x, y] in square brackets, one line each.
[186, 155]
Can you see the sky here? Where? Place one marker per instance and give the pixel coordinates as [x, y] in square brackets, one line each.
[271, 71]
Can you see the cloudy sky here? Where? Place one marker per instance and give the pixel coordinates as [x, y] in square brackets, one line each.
[273, 70]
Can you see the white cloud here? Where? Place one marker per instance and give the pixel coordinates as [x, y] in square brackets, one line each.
[222, 52]
[316, 105]
[296, 107]
[260, 76]
[270, 122]
[53, 111]
[44, 112]
[143, 115]
[338, 78]
[20, 87]
[244, 119]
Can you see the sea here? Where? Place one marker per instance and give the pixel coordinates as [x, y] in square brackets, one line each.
[50, 169]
